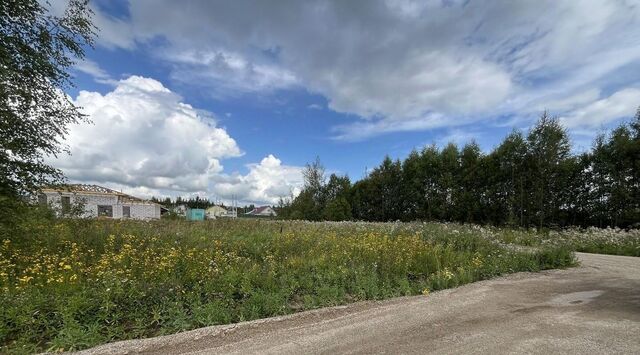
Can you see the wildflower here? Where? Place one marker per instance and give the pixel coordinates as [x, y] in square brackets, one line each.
[25, 279]
[447, 274]
[477, 261]
[426, 292]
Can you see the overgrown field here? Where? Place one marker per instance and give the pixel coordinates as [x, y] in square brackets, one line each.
[612, 241]
[73, 284]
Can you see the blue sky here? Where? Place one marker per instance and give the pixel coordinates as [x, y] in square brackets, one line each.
[233, 98]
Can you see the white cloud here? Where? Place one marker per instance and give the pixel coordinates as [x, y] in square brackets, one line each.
[365, 129]
[425, 83]
[266, 182]
[460, 137]
[621, 104]
[146, 141]
[113, 32]
[144, 135]
[396, 64]
[92, 68]
[225, 73]
[570, 102]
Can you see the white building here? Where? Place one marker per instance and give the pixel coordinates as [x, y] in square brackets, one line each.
[214, 212]
[98, 201]
[180, 210]
[264, 211]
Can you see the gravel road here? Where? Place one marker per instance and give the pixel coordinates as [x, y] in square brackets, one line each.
[594, 308]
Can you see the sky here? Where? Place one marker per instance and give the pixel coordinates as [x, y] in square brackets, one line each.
[225, 99]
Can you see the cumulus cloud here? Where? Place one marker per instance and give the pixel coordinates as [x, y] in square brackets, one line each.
[146, 141]
[398, 64]
[142, 134]
[267, 181]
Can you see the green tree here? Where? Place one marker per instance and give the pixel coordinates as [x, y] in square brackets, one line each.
[386, 198]
[615, 168]
[471, 183]
[362, 206]
[412, 188]
[433, 204]
[309, 204]
[36, 51]
[527, 180]
[634, 161]
[505, 198]
[583, 193]
[336, 195]
[448, 180]
[549, 148]
[338, 209]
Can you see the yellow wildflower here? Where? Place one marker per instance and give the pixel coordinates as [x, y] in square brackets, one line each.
[25, 279]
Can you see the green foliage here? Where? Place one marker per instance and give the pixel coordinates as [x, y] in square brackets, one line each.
[528, 180]
[319, 199]
[337, 209]
[36, 50]
[71, 284]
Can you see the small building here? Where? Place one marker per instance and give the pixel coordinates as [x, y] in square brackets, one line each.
[180, 210]
[264, 211]
[214, 212]
[195, 214]
[97, 201]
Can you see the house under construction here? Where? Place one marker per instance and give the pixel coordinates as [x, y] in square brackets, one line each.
[98, 201]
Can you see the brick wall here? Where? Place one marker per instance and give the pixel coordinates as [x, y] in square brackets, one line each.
[91, 202]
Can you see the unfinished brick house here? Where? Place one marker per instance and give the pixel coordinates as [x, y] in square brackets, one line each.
[98, 201]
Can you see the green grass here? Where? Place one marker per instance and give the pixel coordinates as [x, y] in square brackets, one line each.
[74, 284]
[590, 240]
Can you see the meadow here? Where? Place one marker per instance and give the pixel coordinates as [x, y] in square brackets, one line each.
[73, 284]
[613, 241]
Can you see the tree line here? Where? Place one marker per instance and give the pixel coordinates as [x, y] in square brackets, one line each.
[191, 202]
[528, 180]
[197, 202]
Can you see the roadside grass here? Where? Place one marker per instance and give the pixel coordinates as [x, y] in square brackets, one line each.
[73, 284]
[613, 241]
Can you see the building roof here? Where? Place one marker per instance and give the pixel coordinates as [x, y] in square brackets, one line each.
[87, 189]
[259, 210]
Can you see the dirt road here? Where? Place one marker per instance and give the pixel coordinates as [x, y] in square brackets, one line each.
[594, 308]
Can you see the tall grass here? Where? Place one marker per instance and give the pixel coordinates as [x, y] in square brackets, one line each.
[77, 283]
[614, 241]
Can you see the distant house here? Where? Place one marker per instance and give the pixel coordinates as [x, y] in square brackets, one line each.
[264, 211]
[98, 201]
[195, 214]
[180, 210]
[214, 212]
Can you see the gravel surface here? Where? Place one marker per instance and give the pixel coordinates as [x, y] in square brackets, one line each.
[594, 308]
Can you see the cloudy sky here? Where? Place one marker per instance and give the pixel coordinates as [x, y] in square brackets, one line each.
[222, 98]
